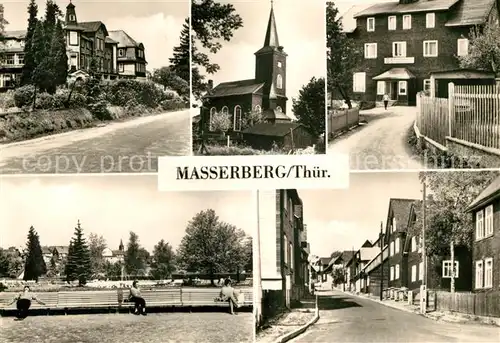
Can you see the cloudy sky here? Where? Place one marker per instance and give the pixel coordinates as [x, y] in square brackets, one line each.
[300, 31]
[157, 24]
[111, 206]
[343, 219]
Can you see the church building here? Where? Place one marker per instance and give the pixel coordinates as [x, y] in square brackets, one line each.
[265, 94]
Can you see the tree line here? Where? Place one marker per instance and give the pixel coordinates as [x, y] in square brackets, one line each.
[209, 246]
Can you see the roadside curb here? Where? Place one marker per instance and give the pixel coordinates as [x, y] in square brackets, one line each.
[299, 331]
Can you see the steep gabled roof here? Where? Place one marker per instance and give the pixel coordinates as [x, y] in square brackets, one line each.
[401, 210]
[123, 38]
[93, 26]
[395, 7]
[235, 88]
[486, 196]
[471, 12]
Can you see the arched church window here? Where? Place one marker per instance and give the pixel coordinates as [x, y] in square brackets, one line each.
[279, 81]
[225, 110]
[258, 109]
[279, 109]
[213, 111]
[237, 118]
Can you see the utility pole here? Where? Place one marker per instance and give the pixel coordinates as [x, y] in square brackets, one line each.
[423, 288]
[257, 267]
[381, 262]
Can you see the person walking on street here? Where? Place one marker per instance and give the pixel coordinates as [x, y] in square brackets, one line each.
[23, 302]
[136, 297]
[386, 100]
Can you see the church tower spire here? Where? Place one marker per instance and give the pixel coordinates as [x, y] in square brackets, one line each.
[271, 32]
[270, 68]
[121, 247]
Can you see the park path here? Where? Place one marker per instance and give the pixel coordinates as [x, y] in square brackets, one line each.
[130, 146]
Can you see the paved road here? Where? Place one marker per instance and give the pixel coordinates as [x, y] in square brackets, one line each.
[131, 146]
[382, 143]
[346, 318]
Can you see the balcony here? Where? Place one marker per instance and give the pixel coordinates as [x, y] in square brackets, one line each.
[399, 60]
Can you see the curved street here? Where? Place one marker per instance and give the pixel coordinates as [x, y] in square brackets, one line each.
[347, 318]
[130, 146]
[382, 143]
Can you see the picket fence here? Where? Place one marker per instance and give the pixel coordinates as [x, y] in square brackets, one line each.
[341, 120]
[470, 113]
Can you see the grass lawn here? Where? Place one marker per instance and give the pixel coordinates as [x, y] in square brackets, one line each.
[119, 328]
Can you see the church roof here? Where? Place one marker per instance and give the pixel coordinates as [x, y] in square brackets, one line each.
[235, 88]
[269, 129]
[275, 114]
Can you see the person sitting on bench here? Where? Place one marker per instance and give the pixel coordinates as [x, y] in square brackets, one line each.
[229, 294]
[136, 297]
[23, 302]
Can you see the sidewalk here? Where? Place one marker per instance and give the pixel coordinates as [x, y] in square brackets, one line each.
[449, 317]
[285, 324]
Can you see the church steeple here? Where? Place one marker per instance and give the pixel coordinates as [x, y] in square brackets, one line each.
[121, 247]
[271, 32]
[270, 68]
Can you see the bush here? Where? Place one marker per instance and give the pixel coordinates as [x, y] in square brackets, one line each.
[45, 101]
[7, 100]
[173, 104]
[23, 96]
[100, 110]
[78, 100]
[120, 92]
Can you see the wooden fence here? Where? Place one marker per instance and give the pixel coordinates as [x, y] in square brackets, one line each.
[341, 120]
[470, 113]
[478, 304]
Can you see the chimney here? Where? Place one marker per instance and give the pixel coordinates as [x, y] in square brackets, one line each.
[210, 85]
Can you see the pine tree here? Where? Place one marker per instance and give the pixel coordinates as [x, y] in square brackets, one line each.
[180, 61]
[134, 260]
[34, 265]
[69, 267]
[42, 74]
[29, 59]
[58, 58]
[3, 22]
[78, 266]
[52, 12]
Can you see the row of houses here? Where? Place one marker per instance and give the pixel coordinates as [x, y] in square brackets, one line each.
[395, 260]
[284, 252]
[412, 46]
[117, 54]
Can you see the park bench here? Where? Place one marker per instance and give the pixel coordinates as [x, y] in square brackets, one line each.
[162, 297]
[210, 297]
[87, 299]
[49, 298]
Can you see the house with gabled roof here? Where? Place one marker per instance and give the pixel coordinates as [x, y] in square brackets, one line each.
[412, 46]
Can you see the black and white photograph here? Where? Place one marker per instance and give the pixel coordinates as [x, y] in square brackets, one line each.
[258, 77]
[111, 259]
[376, 260]
[93, 87]
[414, 84]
